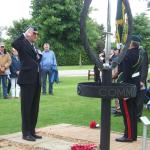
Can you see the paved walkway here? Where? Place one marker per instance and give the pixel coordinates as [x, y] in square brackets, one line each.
[66, 73]
[83, 72]
[62, 137]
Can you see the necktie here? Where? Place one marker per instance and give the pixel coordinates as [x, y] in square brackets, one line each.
[35, 50]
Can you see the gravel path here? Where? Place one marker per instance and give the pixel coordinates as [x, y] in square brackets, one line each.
[67, 73]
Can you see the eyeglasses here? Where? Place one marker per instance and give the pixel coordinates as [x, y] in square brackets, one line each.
[2, 46]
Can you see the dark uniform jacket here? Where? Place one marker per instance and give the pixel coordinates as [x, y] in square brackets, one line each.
[131, 64]
[29, 71]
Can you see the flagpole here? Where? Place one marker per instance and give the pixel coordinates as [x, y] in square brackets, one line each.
[108, 36]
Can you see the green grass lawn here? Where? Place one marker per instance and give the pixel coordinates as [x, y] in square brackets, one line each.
[65, 106]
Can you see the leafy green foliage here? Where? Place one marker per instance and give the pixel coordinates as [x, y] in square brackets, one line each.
[7, 45]
[18, 28]
[141, 26]
[58, 22]
[72, 58]
[96, 35]
[59, 25]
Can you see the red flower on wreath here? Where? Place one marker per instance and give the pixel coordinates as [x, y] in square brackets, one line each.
[93, 124]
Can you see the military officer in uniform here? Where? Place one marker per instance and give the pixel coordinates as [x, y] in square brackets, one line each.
[129, 72]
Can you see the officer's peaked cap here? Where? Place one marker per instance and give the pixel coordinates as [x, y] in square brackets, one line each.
[34, 28]
[136, 38]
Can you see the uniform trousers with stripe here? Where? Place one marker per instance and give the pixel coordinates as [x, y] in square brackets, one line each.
[129, 111]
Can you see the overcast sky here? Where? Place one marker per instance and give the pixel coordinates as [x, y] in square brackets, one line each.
[13, 10]
[137, 6]
[16, 9]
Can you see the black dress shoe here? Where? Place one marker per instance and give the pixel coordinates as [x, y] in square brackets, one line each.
[124, 139]
[37, 136]
[29, 138]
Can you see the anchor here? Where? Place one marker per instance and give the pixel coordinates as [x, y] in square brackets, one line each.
[106, 90]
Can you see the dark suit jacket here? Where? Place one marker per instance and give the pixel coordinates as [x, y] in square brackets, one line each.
[29, 71]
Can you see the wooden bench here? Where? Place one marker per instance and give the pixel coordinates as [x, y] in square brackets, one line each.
[90, 74]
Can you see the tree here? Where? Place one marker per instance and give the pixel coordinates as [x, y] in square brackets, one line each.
[95, 33]
[141, 26]
[60, 22]
[59, 25]
[18, 28]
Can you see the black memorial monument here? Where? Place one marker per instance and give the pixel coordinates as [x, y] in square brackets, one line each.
[105, 90]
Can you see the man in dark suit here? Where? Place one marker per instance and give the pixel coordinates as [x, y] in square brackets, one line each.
[29, 81]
